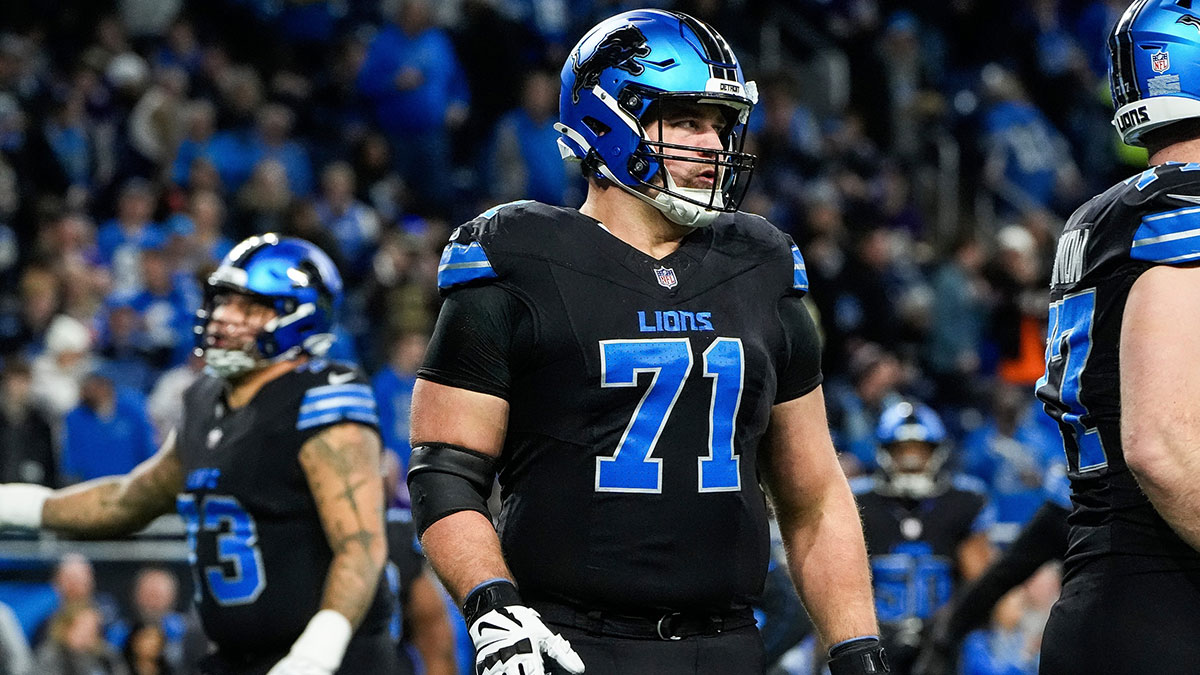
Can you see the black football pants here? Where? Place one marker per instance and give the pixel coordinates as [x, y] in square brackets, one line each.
[1116, 620]
[736, 652]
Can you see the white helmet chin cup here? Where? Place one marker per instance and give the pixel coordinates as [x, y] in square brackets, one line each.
[676, 210]
[227, 363]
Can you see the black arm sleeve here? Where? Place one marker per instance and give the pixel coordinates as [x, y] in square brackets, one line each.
[472, 344]
[802, 371]
[1043, 539]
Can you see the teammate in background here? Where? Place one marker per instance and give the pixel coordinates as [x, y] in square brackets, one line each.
[275, 470]
[422, 624]
[1122, 374]
[926, 531]
[1043, 539]
[630, 370]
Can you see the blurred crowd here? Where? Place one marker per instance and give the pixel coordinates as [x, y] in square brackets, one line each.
[923, 154]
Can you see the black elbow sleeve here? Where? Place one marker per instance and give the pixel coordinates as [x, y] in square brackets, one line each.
[445, 479]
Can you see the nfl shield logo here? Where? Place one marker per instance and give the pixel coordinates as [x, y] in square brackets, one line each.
[1160, 61]
[666, 277]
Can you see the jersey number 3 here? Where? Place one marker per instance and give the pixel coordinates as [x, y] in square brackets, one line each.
[239, 579]
[631, 468]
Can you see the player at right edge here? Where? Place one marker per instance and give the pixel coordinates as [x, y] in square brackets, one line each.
[1122, 374]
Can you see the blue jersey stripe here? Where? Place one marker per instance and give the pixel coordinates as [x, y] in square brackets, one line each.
[337, 390]
[1168, 237]
[349, 413]
[461, 264]
[336, 402]
[799, 271]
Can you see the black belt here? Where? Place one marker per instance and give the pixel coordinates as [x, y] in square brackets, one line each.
[666, 626]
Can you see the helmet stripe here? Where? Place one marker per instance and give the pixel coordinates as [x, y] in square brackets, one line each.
[716, 51]
[1125, 69]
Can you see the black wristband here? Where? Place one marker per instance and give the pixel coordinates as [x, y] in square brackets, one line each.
[488, 596]
[861, 656]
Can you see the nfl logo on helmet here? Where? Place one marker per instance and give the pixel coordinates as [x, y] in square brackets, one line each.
[666, 277]
[1160, 61]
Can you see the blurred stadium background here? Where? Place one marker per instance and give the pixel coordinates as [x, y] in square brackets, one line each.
[923, 153]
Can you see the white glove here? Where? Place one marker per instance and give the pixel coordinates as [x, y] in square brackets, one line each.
[21, 505]
[512, 640]
[320, 648]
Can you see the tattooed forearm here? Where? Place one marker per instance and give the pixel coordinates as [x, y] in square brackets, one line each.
[117, 505]
[342, 467]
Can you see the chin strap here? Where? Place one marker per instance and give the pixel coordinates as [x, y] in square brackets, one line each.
[675, 210]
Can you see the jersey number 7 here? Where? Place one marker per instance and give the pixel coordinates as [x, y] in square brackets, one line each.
[631, 468]
[1067, 351]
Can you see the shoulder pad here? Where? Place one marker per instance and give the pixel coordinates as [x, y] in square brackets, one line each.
[1166, 200]
[752, 237]
[334, 392]
[474, 248]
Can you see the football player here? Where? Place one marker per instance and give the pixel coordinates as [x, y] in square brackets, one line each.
[275, 470]
[630, 370]
[1121, 376]
[926, 531]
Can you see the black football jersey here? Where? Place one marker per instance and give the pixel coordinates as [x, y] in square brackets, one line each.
[638, 392]
[1150, 219]
[913, 544]
[259, 555]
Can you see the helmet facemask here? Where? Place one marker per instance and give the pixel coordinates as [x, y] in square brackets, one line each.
[232, 361]
[731, 167]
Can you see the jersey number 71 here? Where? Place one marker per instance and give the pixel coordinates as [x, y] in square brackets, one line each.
[631, 468]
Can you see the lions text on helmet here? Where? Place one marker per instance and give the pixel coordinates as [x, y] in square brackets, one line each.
[271, 299]
[625, 86]
[1150, 47]
[911, 450]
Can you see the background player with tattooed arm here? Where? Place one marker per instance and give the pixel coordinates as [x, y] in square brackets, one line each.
[1122, 374]
[275, 470]
[631, 369]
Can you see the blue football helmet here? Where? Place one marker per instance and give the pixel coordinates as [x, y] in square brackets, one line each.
[293, 277]
[1154, 54]
[622, 67]
[906, 422]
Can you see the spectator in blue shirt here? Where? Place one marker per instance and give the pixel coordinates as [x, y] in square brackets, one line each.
[526, 163]
[122, 238]
[354, 224]
[1028, 164]
[198, 234]
[166, 304]
[1006, 647]
[1011, 453]
[201, 122]
[107, 434]
[412, 79]
[393, 386]
[272, 140]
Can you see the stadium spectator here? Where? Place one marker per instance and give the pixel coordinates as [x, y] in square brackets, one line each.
[412, 79]
[155, 596]
[393, 386]
[354, 224]
[75, 645]
[28, 452]
[107, 434]
[59, 370]
[526, 163]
